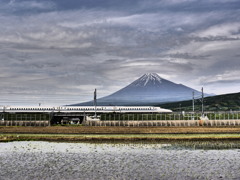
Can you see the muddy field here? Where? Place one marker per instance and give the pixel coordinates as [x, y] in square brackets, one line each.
[119, 130]
[48, 160]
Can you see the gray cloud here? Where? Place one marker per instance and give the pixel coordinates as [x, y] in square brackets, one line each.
[58, 51]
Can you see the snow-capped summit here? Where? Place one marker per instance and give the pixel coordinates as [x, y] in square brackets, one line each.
[147, 78]
[149, 89]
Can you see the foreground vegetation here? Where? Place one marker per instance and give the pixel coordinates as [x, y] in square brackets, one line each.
[69, 129]
[83, 133]
[116, 137]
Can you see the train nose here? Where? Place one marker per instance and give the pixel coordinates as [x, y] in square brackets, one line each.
[166, 110]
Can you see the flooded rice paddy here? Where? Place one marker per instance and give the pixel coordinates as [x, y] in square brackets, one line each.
[179, 160]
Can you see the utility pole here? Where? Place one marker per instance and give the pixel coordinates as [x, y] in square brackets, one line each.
[193, 104]
[95, 102]
[202, 103]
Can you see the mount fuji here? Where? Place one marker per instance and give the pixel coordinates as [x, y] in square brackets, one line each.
[149, 89]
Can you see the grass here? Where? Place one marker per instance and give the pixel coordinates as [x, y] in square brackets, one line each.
[88, 133]
[116, 137]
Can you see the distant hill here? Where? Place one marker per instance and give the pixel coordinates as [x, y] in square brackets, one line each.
[224, 102]
[149, 89]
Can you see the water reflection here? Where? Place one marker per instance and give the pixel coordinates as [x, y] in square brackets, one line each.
[162, 160]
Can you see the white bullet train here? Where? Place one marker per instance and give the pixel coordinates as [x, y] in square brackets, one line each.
[84, 109]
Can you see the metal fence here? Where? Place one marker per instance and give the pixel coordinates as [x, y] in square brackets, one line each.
[118, 119]
[26, 119]
[173, 116]
[174, 119]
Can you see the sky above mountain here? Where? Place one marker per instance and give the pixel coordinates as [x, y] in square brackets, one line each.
[59, 51]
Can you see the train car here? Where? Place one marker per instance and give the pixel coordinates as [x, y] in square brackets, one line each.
[141, 109]
[83, 109]
[28, 109]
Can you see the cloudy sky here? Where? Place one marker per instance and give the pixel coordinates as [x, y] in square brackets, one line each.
[58, 51]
